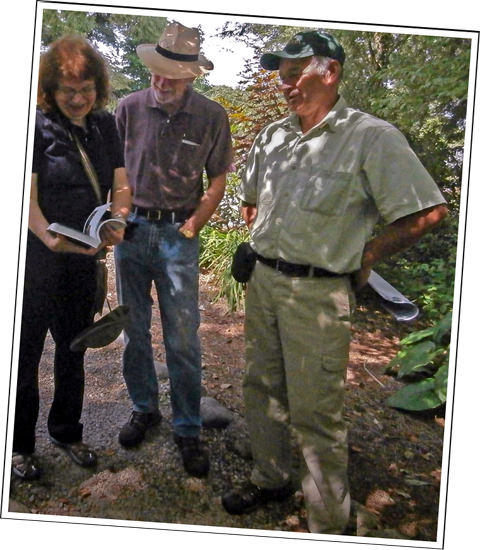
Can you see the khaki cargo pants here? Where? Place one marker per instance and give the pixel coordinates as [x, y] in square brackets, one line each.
[297, 344]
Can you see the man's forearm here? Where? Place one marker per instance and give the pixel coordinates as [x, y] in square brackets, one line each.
[249, 212]
[398, 236]
[401, 234]
[207, 206]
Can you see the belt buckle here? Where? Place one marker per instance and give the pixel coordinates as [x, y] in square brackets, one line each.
[157, 215]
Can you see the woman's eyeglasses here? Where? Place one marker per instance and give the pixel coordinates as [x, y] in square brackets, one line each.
[70, 93]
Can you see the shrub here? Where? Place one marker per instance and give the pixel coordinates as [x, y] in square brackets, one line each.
[426, 272]
[423, 364]
[217, 249]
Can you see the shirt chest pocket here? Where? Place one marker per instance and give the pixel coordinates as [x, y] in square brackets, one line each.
[189, 159]
[326, 192]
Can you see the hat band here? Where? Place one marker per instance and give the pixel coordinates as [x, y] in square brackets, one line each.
[175, 56]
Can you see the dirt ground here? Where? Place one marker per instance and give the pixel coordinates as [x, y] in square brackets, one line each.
[395, 457]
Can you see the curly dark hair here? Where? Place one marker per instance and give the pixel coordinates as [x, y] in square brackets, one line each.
[71, 57]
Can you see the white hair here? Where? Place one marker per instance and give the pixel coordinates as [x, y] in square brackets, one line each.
[320, 64]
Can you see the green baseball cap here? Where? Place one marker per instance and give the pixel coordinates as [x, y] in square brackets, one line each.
[305, 44]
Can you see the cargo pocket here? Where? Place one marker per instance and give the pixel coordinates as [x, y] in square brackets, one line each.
[334, 364]
[327, 387]
[334, 369]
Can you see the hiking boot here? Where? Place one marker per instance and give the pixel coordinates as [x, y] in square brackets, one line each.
[249, 497]
[194, 456]
[133, 432]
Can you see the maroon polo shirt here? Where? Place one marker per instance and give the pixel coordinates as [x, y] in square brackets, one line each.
[165, 156]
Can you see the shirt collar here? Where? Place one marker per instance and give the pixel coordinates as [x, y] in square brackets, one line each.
[330, 120]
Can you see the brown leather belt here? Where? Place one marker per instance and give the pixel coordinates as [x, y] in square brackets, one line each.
[172, 216]
[298, 270]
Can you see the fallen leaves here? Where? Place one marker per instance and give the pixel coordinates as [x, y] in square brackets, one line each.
[109, 485]
[417, 482]
[378, 500]
[194, 485]
[295, 524]
[437, 475]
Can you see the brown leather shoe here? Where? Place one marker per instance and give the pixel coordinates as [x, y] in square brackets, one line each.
[249, 497]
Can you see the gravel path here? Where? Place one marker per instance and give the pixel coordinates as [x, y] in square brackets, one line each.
[395, 459]
[149, 484]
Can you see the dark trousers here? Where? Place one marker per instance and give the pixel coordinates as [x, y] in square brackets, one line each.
[58, 296]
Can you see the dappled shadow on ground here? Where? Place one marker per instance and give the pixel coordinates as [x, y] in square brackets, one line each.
[395, 458]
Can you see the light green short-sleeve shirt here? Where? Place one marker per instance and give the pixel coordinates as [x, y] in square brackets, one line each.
[319, 195]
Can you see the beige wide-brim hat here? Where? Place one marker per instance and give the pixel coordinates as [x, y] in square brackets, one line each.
[177, 54]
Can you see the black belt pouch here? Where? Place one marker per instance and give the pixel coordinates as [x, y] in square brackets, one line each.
[243, 262]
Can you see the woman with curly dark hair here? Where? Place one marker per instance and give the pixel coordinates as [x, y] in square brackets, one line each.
[60, 276]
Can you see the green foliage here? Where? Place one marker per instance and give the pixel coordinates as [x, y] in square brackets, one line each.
[426, 272]
[258, 36]
[418, 397]
[430, 285]
[217, 249]
[423, 364]
[418, 83]
[228, 213]
[116, 36]
[260, 105]
[409, 80]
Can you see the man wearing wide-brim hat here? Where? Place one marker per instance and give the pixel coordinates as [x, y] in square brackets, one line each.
[171, 136]
[314, 186]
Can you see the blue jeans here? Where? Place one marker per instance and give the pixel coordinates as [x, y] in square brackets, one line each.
[159, 253]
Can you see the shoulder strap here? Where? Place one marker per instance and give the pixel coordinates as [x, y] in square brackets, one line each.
[88, 167]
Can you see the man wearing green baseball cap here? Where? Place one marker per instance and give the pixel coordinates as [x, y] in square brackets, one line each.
[314, 186]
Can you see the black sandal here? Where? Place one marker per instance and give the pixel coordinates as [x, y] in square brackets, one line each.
[25, 466]
[79, 452]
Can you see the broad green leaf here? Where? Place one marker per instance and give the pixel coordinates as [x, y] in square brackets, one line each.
[416, 397]
[413, 358]
[443, 328]
[415, 337]
[441, 381]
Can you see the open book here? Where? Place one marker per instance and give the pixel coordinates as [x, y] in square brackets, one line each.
[90, 236]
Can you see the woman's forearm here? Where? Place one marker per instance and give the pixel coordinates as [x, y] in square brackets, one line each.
[121, 194]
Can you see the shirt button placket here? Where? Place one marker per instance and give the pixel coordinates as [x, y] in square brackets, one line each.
[284, 200]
